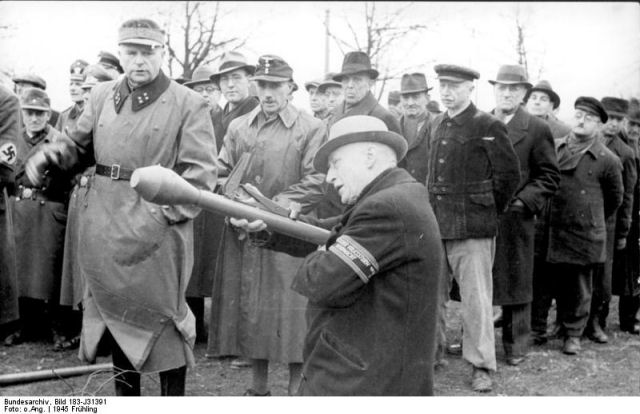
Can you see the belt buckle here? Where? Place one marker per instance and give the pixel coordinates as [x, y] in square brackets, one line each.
[115, 171]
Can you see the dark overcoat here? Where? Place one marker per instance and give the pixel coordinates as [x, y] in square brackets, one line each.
[539, 178]
[40, 218]
[373, 295]
[367, 106]
[473, 173]
[587, 195]
[416, 161]
[626, 262]
[9, 147]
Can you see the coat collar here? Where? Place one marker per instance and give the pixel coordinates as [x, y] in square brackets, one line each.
[518, 126]
[594, 149]
[143, 96]
[463, 116]
[46, 135]
[75, 111]
[288, 115]
[364, 107]
[421, 135]
[388, 178]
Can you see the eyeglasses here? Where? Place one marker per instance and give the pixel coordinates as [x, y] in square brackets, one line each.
[587, 117]
[209, 89]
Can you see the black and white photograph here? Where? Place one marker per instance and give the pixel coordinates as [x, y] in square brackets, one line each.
[334, 199]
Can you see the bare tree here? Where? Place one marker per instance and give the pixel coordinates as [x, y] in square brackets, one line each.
[527, 54]
[377, 36]
[197, 41]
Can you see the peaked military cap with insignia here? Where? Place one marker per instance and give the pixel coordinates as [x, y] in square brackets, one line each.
[77, 69]
[455, 73]
[143, 32]
[36, 99]
[272, 68]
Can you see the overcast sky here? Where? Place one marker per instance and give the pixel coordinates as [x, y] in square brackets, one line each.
[582, 48]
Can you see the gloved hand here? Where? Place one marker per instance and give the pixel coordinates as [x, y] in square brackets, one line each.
[36, 165]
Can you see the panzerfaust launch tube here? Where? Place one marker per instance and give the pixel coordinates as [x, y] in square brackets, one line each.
[163, 186]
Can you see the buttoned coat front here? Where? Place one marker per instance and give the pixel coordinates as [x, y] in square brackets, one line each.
[473, 173]
[586, 197]
[539, 178]
[416, 161]
[136, 256]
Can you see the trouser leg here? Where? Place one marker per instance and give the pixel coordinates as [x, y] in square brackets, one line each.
[196, 304]
[127, 382]
[600, 298]
[172, 382]
[628, 307]
[445, 286]
[542, 296]
[516, 328]
[471, 263]
[574, 297]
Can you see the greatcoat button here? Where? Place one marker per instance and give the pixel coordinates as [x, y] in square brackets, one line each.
[441, 160]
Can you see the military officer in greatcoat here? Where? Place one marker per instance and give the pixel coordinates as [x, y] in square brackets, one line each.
[136, 256]
[513, 266]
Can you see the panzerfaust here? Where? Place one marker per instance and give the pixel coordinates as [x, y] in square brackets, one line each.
[163, 186]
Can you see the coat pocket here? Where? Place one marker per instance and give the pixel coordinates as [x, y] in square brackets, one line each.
[483, 199]
[332, 351]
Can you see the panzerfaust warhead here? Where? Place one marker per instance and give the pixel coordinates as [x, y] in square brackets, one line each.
[163, 186]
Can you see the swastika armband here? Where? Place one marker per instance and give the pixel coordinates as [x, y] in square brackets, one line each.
[8, 153]
[356, 257]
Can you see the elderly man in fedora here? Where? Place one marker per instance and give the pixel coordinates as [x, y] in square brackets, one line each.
[357, 78]
[473, 174]
[135, 256]
[539, 178]
[254, 313]
[618, 226]
[590, 192]
[542, 101]
[414, 96]
[317, 99]
[333, 91]
[373, 288]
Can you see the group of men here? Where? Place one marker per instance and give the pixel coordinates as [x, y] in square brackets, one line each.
[515, 207]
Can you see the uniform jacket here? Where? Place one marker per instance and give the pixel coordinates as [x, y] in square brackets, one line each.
[373, 295]
[68, 118]
[367, 106]
[9, 147]
[539, 178]
[587, 195]
[136, 256]
[473, 173]
[416, 161]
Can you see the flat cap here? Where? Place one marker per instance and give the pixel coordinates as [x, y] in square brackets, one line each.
[32, 79]
[592, 106]
[615, 106]
[455, 73]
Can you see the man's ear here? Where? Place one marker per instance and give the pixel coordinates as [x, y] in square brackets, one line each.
[371, 156]
[49, 113]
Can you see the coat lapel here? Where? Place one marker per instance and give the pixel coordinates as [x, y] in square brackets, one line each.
[518, 126]
[142, 96]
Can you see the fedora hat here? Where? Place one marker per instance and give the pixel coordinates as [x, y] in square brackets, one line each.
[328, 82]
[232, 61]
[413, 82]
[201, 75]
[356, 62]
[358, 128]
[545, 87]
[511, 75]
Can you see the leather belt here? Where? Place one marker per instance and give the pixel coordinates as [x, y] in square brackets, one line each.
[114, 171]
[35, 194]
